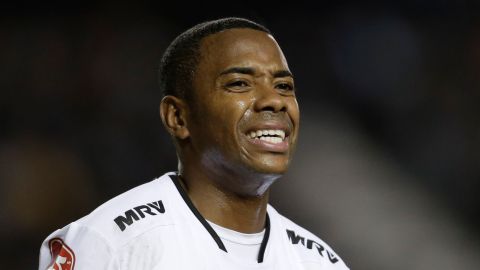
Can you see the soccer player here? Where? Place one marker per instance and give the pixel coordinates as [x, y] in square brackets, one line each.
[229, 104]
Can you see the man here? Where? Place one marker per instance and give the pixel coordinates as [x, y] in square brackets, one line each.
[231, 110]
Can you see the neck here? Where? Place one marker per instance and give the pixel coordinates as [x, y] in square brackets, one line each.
[239, 212]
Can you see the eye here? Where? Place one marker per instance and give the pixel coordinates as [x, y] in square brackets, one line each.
[285, 86]
[237, 85]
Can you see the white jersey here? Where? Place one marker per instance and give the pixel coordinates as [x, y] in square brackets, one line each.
[155, 226]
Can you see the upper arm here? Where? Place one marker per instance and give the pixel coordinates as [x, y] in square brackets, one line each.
[76, 247]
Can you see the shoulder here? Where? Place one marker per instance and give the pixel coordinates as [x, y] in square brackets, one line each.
[127, 215]
[132, 212]
[309, 248]
[112, 228]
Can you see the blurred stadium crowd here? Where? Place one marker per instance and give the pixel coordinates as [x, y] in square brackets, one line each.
[388, 166]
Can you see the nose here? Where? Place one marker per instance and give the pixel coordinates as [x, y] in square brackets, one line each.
[269, 99]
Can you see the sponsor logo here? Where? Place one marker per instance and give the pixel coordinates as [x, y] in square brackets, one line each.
[308, 243]
[63, 257]
[137, 213]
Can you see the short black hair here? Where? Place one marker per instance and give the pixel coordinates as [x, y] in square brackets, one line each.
[180, 60]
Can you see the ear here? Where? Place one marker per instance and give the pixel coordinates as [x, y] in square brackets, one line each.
[173, 112]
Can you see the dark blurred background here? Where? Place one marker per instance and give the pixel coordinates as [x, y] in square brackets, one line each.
[388, 165]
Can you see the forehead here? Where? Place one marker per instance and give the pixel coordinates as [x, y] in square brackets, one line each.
[241, 47]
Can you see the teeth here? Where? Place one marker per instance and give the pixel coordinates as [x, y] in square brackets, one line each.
[281, 133]
[271, 139]
[274, 136]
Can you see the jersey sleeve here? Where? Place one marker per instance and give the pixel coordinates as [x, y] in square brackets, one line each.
[76, 247]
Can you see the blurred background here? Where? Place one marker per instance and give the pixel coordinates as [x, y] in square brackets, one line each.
[388, 164]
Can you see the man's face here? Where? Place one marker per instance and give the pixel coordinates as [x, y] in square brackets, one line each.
[244, 113]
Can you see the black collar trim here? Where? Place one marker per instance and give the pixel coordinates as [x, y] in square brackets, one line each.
[209, 228]
[263, 246]
[197, 214]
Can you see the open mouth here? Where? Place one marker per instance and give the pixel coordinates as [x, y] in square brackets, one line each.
[270, 135]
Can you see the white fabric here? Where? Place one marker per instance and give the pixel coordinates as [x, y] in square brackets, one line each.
[165, 234]
[242, 246]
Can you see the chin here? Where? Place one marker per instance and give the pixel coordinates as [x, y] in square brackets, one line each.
[272, 168]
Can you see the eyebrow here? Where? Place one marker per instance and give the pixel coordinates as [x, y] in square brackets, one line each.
[282, 73]
[251, 71]
[242, 70]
